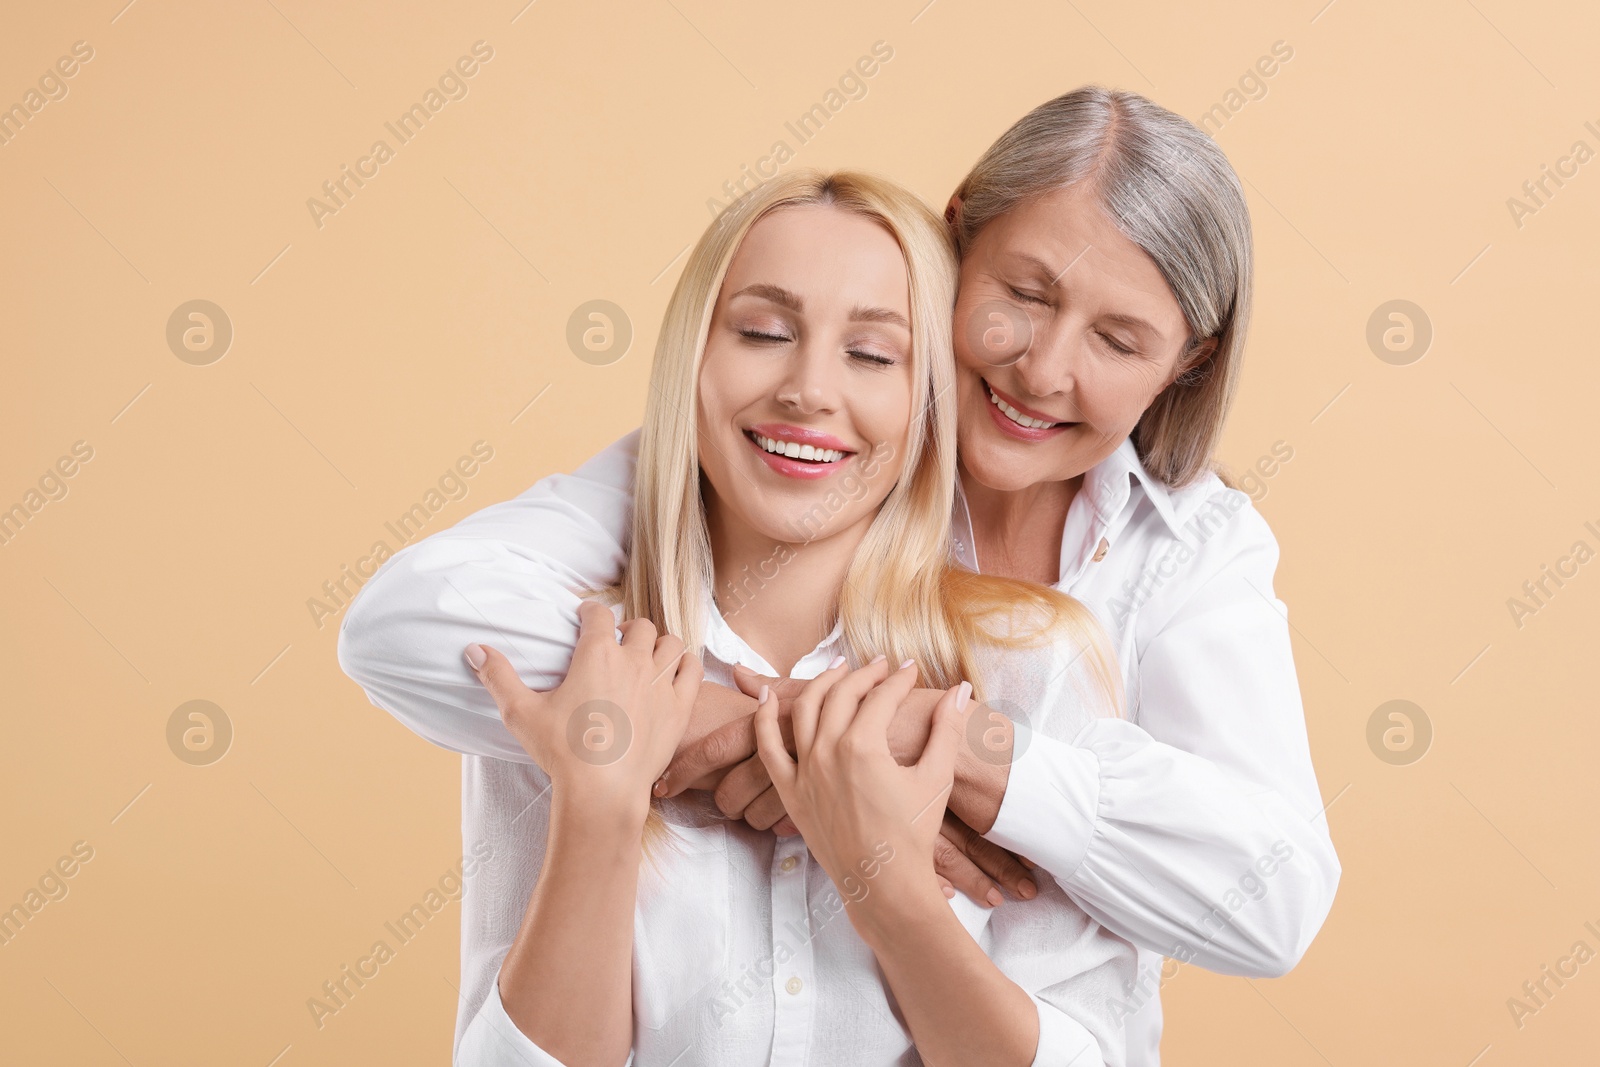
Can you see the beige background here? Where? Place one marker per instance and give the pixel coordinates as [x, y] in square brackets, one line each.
[368, 354]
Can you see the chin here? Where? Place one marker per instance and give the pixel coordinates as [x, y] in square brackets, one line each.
[993, 465]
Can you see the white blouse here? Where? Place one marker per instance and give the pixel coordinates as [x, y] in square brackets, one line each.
[743, 952]
[1193, 827]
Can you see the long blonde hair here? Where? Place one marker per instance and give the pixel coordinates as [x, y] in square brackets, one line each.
[902, 595]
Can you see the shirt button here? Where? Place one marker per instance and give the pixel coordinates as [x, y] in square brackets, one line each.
[788, 863]
[793, 985]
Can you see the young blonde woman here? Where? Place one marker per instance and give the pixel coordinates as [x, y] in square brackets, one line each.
[1101, 313]
[814, 313]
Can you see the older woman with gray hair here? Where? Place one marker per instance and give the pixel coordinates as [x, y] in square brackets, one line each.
[1104, 296]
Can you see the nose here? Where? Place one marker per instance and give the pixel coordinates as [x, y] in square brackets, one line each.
[1051, 364]
[811, 383]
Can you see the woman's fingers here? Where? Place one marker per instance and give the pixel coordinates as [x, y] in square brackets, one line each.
[749, 682]
[638, 634]
[597, 628]
[687, 675]
[727, 745]
[879, 706]
[843, 701]
[955, 868]
[666, 652]
[938, 762]
[808, 706]
[501, 680]
[769, 742]
[998, 863]
[740, 787]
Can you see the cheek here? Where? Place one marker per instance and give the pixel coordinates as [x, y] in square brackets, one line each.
[1118, 393]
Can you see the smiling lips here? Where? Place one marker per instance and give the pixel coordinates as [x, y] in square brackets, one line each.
[1017, 421]
[798, 452]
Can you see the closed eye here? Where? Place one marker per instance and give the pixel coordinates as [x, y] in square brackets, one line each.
[1117, 345]
[873, 358]
[767, 338]
[1027, 298]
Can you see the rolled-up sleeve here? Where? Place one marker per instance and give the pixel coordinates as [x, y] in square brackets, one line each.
[509, 576]
[493, 1040]
[1196, 831]
[1064, 1041]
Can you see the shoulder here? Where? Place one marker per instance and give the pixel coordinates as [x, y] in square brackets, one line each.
[1213, 544]
[615, 464]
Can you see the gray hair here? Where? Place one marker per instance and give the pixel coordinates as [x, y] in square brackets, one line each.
[1170, 190]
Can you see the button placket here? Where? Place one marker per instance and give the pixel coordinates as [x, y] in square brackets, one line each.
[793, 998]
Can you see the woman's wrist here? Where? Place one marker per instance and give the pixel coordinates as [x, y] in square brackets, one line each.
[603, 816]
[893, 910]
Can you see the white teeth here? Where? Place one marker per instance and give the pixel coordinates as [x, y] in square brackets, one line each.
[1016, 416]
[798, 451]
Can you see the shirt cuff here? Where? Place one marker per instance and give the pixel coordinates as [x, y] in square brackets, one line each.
[493, 1040]
[1051, 804]
[1064, 1041]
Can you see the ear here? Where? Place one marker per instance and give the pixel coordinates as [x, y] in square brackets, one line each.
[952, 210]
[1202, 352]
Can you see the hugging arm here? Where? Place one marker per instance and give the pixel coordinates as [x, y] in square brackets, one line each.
[1199, 832]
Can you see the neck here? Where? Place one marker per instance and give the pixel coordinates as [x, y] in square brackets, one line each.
[781, 597]
[1017, 532]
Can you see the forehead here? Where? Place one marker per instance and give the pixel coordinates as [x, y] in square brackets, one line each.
[825, 255]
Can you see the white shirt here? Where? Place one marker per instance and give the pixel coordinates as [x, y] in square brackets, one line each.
[743, 952]
[1193, 827]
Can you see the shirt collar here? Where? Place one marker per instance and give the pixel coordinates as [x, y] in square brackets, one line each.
[722, 642]
[1109, 483]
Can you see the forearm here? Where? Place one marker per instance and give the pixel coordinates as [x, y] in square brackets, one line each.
[567, 980]
[509, 574]
[1170, 851]
[980, 786]
[958, 1005]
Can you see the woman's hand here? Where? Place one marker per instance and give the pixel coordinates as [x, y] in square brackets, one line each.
[606, 733]
[861, 813]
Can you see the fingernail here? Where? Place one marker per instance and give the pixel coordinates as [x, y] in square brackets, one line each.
[907, 663]
[475, 656]
[1026, 889]
[879, 658]
[949, 893]
[762, 697]
[660, 788]
[838, 661]
[993, 897]
[962, 695]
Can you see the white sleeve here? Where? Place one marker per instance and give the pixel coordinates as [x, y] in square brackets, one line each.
[507, 576]
[493, 1040]
[1064, 1042]
[1197, 832]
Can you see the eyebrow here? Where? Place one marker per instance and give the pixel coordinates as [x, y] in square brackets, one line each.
[1054, 276]
[784, 298]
